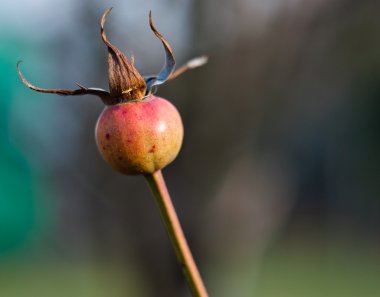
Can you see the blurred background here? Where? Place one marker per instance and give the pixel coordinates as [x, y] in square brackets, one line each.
[277, 185]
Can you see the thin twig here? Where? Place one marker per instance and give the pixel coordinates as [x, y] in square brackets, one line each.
[173, 228]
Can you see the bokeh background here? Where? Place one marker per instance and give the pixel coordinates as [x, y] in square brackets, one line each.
[277, 185]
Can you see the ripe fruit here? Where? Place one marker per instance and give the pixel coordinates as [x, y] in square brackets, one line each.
[140, 136]
[137, 133]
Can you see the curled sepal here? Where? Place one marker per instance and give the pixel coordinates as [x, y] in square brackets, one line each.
[169, 65]
[103, 94]
[191, 64]
[125, 81]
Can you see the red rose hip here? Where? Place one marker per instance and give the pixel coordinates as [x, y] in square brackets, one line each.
[139, 137]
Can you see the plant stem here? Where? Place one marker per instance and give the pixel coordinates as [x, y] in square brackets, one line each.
[160, 192]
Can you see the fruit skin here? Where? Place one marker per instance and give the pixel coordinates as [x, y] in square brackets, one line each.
[139, 137]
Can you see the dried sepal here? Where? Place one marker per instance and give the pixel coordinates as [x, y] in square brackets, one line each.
[103, 94]
[169, 65]
[125, 82]
[191, 64]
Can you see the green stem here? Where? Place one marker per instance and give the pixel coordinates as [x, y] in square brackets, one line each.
[157, 185]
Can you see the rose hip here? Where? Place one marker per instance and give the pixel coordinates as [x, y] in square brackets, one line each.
[139, 137]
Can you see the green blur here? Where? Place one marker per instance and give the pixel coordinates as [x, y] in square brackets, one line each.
[17, 199]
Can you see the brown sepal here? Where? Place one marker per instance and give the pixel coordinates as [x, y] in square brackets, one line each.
[103, 94]
[125, 82]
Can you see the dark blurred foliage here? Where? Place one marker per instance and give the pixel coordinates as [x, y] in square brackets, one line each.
[281, 145]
